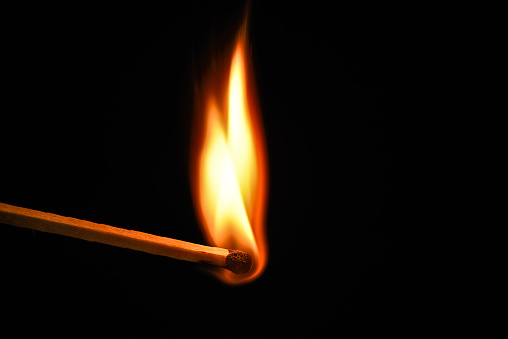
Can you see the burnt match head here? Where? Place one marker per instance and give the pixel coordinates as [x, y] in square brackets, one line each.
[238, 262]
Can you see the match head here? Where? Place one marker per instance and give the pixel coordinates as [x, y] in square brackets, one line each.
[238, 262]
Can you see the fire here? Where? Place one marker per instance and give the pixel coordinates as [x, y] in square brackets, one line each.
[229, 163]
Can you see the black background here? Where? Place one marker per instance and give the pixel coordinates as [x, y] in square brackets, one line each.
[96, 126]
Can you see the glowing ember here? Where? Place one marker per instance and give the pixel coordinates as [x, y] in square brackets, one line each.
[229, 164]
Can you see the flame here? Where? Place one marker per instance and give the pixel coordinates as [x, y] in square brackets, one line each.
[229, 164]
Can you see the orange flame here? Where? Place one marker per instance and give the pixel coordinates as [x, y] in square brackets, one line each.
[229, 164]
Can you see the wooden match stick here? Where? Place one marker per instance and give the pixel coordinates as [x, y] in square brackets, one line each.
[233, 260]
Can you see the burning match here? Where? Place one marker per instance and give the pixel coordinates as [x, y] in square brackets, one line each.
[233, 260]
[228, 174]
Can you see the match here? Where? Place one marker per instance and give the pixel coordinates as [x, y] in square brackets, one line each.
[233, 260]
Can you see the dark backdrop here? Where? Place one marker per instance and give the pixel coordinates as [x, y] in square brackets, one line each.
[96, 125]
